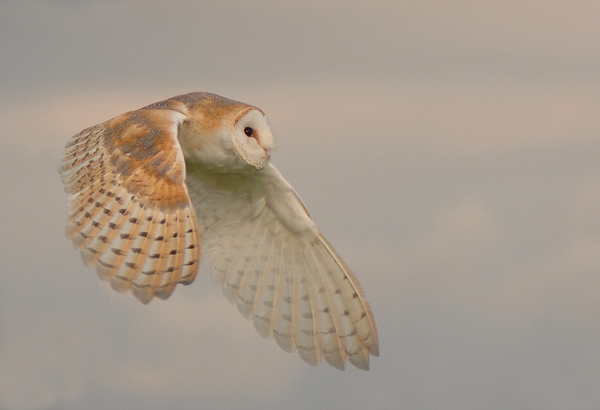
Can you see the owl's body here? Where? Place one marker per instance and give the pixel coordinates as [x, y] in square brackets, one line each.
[153, 190]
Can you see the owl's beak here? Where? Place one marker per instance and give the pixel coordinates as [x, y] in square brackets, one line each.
[268, 152]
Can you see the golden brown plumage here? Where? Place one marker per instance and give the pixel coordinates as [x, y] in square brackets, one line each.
[152, 190]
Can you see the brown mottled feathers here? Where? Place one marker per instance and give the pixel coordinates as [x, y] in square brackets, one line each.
[152, 189]
[129, 210]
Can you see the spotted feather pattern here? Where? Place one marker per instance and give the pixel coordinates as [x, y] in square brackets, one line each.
[151, 190]
[129, 211]
[261, 247]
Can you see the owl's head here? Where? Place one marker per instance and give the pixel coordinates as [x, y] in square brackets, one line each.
[223, 134]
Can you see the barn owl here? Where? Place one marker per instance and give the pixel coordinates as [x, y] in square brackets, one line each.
[154, 192]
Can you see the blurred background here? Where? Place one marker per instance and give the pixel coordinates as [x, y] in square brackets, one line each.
[448, 150]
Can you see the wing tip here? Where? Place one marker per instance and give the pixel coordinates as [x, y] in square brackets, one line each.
[143, 294]
[164, 292]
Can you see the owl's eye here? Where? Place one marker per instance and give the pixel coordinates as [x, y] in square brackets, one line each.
[248, 131]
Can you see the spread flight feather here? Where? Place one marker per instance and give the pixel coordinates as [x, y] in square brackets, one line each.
[145, 204]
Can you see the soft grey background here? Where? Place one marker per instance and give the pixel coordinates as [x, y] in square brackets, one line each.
[449, 151]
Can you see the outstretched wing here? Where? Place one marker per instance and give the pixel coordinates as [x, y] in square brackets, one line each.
[129, 210]
[262, 248]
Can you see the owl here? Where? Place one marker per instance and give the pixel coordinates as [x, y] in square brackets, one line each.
[154, 193]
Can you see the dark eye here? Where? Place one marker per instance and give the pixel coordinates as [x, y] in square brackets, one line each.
[248, 131]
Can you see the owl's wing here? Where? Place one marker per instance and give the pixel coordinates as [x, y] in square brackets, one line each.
[129, 211]
[262, 248]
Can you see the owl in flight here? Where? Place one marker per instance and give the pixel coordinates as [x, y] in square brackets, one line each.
[153, 191]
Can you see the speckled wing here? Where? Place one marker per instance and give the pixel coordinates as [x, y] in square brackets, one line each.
[262, 248]
[129, 211]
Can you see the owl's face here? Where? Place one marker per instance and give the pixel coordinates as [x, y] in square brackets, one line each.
[251, 137]
[239, 140]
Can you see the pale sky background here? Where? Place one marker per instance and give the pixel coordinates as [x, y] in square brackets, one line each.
[450, 151]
